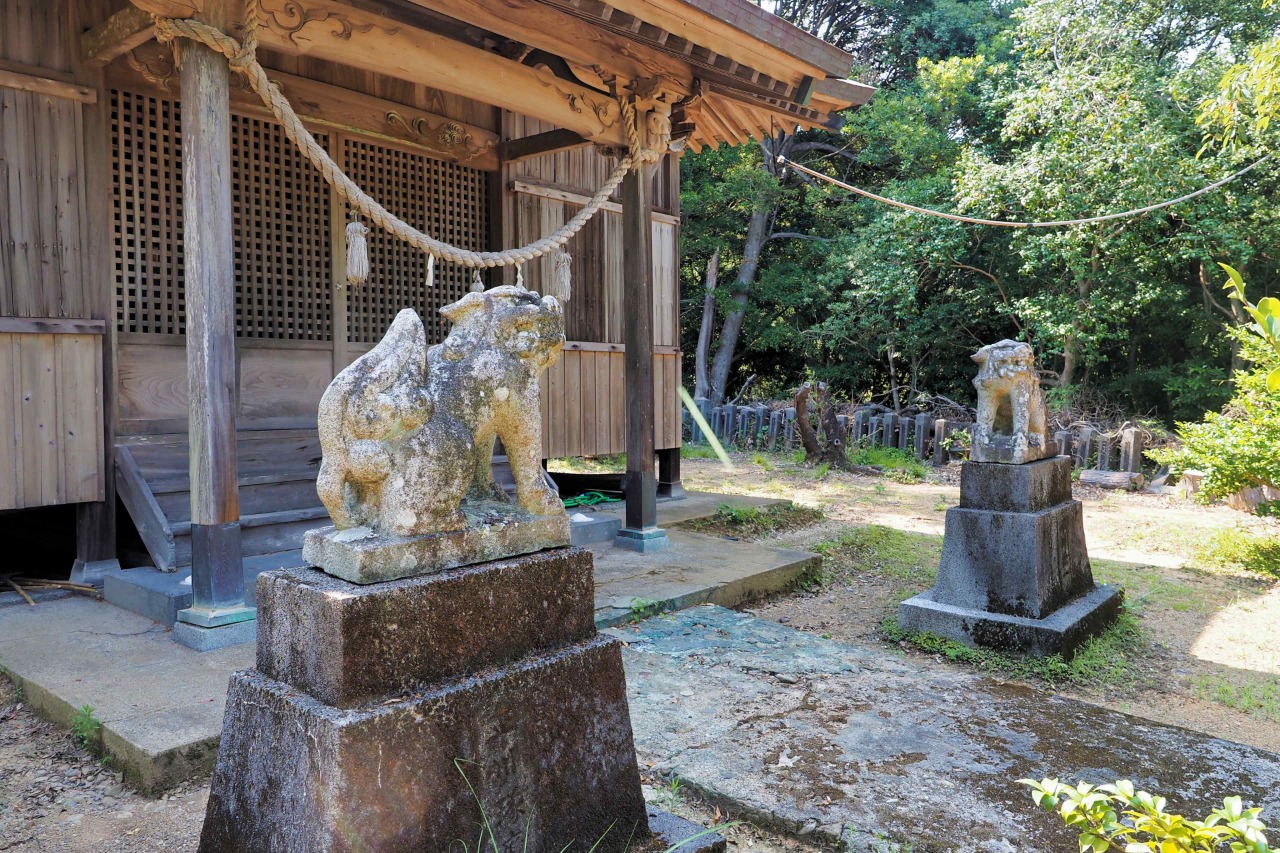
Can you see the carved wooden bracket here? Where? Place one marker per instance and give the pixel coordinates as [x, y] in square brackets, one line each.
[448, 138]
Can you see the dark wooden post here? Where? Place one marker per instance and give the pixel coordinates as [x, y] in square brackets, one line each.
[940, 442]
[218, 615]
[96, 522]
[641, 532]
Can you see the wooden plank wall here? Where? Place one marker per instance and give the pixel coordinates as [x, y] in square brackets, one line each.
[584, 394]
[44, 221]
[584, 402]
[51, 444]
[547, 191]
[53, 361]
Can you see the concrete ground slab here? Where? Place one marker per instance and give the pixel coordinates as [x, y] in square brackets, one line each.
[873, 750]
[694, 569]
[160, 703]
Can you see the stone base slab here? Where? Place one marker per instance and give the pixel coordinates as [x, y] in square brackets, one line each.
[204, 639]
[1016, 563]
[642, 541]
[1061, 632]
[545, 742]
[1032, 487]
[677, 835]
[346, 643]
[360, 555]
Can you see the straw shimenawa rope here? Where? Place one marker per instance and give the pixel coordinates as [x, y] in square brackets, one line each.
[242, 58]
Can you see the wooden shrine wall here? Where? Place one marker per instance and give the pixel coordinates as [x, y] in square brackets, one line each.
[51, 350]
[292, 306]
[585, 391]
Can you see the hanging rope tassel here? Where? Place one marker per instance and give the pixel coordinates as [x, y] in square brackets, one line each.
[357, 253]
[520, 276]
[562, 282]
[431, 270]
[477, 283]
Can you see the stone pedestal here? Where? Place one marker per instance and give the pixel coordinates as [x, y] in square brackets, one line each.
[1015, 571]
[370, 701]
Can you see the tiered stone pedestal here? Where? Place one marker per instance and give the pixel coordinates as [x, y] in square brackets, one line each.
[1015, 571]
[368, 701]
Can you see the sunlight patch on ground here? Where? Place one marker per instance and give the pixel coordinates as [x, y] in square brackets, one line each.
[1244, 635]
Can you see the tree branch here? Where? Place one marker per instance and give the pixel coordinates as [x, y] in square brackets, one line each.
[795, 235]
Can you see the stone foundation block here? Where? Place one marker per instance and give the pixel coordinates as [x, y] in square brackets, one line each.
[546, 742]
[346, 643]
[1061, 632]
[1031, 487]
[1012, 563]
[1015, 573]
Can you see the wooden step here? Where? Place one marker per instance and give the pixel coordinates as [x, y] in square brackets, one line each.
[277, 492]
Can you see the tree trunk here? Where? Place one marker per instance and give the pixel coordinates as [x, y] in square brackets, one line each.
[757, 234]
[834, 450]
[893, 378]
[702, 382]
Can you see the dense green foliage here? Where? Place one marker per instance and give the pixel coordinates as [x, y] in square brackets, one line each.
[1239, 447]
[1121, 817]
[1049, 110]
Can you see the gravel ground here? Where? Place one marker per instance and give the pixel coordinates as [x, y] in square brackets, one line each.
[55, 796]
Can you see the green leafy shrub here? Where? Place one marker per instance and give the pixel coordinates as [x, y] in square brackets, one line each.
[1239, 447]
[85, 726]
[1118, 816]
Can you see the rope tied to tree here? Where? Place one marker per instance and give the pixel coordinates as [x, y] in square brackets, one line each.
[242, 58]
[1056, 223]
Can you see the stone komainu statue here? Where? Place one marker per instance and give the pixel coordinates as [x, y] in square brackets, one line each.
[408, 432]
[1011, 423]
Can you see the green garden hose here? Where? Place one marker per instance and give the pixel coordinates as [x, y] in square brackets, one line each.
[589, 499]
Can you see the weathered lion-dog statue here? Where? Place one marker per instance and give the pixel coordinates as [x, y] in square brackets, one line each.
[408, 432]
[1011, 425]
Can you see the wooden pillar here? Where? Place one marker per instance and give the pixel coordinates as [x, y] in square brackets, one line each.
[669, 485]
[96, 522]
[217, 571]
[640, 532]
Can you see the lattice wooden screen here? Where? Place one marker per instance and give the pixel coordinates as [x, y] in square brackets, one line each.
[281, 215]
[449, 201]
[280, 204]
[146, 147]
[282, 210]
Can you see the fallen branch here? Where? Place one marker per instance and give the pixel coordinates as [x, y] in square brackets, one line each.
[22, 592]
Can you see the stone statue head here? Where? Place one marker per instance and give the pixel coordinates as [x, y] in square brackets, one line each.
[516, 320]
[1015, 354]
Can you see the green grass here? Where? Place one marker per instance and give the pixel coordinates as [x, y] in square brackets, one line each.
[1147, 586]
[1261, 699]
[752, 522]
[697, 451]
[897, 554]
[1238, 551]
[899, 465]
[590, 464]
[1105, 660]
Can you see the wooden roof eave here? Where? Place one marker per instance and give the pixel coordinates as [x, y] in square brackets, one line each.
[702, 28]
[336, 32]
